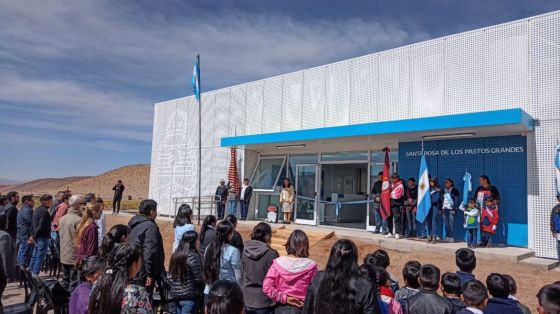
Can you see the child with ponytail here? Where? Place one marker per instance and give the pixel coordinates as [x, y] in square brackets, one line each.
[222, 261]
[113, 292]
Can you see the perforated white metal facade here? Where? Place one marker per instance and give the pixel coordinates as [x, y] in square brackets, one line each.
[513, 65]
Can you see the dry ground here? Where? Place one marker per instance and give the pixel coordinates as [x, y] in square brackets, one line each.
[529, 279]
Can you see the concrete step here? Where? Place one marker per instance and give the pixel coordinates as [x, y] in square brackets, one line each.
[542, 263]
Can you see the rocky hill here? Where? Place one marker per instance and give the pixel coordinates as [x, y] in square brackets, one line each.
[134, 177]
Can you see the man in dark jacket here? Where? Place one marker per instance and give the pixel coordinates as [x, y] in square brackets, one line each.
[245, 198]
[221, 197]
[41, 233]
[11, 214]
[257, 258]
[236, 239]
[375, 215]
[410, 204]
[24, 229]
[145, 235]
[119, 189]
[427, 301]
[498, 286]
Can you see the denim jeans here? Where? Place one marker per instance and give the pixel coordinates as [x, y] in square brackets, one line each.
[39, 251]
[24, 253]
[433, 218]
[385, 225]
[186, 307]
[375, 217]
[232, 207]
[244, 210]
[558, 248]
[410, 221]
[485, 238]
[268, 310]
[471, 236]
[397, 219]
[70, 277]
[220, 208]
[448, 220]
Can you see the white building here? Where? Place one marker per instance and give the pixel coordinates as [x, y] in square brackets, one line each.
[486, 101]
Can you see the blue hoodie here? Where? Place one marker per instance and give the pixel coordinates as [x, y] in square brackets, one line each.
[500, 306]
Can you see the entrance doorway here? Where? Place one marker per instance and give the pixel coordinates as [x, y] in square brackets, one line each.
[306, 194]
[344, 194]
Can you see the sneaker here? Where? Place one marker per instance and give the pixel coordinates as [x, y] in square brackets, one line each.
[450, 240]
[388, 235]
[397, 236]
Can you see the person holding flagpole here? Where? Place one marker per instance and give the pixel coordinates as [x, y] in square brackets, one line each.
[386, 197]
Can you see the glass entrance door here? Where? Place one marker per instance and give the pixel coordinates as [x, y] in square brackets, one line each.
[306, 194]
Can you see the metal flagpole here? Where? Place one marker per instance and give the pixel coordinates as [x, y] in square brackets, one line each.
[199, 140]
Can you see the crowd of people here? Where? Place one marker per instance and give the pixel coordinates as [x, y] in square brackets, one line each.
[479, 212]
[217, 271]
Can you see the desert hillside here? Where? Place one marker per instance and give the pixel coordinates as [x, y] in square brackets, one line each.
[134, 177]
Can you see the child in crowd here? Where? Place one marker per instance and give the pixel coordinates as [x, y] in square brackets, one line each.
[236, 240]
[225, 297]
[79, 300]
[182, 224]
[466, 262]
[386, 293]
[451, 289]
[410, 272]
[474, 297]
[427, 301]
[368, 271]
[288, 278]
[381, 259]
[472, 220]
[489, 219]
[498, 286]
[549, 299]
[513, 292]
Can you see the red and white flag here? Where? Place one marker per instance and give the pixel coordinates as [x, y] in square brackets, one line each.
[232, 173]
[386, 187]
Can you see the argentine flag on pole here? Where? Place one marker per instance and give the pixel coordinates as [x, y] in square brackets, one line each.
[424, 196]
[196, 78]
[467, 187]
[557, 169]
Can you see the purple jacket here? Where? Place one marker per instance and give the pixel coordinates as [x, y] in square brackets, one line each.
[79, 301]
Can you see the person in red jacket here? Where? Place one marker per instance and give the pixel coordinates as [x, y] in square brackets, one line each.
[489, 220]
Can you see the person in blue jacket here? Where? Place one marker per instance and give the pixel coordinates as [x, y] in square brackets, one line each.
[451, 203]
[437, 200]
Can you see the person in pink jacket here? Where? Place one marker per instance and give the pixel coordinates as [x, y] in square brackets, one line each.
[289, 276]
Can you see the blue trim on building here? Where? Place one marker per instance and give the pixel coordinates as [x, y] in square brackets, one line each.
[466, 120]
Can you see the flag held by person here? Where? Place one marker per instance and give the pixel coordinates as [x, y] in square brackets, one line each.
[467, 188]
[557, 169]
[196, 78]
[424, 197]
[386, 187]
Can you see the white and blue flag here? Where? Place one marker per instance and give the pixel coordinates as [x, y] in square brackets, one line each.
[424, 196]
[557, 169]
[196, 78]
[467, 187]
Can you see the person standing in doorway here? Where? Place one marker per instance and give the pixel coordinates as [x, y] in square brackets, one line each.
[485, 190]
[411, 199]
[375, 216]
[232, 200]
[119, 189]
[451, 202]
[245, 198]
[221, 196]
[287, 197]
[555, 224]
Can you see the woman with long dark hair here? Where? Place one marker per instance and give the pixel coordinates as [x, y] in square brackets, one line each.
[113, 292]
[115, 237]
[257, 258]
[222, 261]
[207, 233]
[287, 198]
[185, 269]
[289, 276]
[341, 288]
[225, 297]
[182, 223]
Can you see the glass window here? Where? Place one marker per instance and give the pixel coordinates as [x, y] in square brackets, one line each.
[344, 156]
[299, 159]
[267, 173]
[378, 156]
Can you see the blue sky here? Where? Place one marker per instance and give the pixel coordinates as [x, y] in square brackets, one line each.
[78, 79]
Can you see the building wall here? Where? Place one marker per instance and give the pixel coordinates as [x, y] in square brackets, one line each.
[512, 65]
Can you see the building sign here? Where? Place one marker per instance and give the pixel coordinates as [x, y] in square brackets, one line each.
[468, 151]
